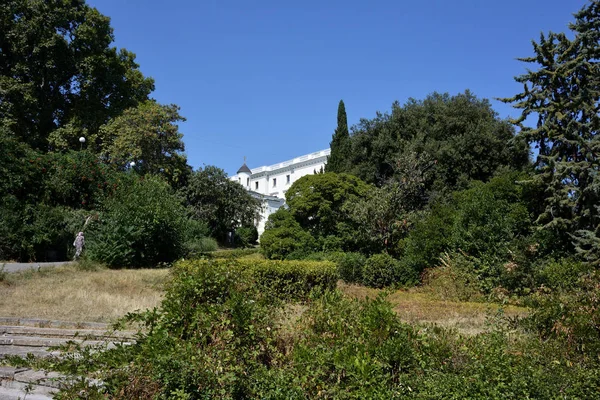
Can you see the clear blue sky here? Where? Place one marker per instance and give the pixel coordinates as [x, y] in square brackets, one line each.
[263, 79]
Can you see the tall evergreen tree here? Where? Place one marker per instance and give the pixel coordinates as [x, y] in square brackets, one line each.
[340, 143]
[564, 94]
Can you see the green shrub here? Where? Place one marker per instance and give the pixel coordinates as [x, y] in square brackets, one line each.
[350, 265]
[428, 239]
[486, 221]
[572, 316]
[381, 270]
[453, 279]
[143, 225]
[201, 246]
[490, 216]
[78, 179]
[14, 244]
[562, 274]
[219, 334]
[292, 279]
[282, 279]
[284, 236]
[232, 253]
[246, 236]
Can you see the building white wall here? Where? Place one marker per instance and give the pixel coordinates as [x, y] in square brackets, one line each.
[261, 180]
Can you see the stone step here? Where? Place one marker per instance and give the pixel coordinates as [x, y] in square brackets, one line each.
[36, 341]
[47, 323]
[23, 351]
[17, 394]
[28, 382]
[64, 333]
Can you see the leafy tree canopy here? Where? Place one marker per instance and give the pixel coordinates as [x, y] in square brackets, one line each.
[220, 202]
[147, 135]
[316, 201]
[59, 71]
[459, 138]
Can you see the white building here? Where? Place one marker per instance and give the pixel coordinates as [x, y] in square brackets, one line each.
[269, 183]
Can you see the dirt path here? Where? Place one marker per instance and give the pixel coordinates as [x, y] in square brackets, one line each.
[19, 267]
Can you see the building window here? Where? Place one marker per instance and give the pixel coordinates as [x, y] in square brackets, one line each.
[247, 181]
[256, 185]
[240, 180]
[274, 182]
[287, 179]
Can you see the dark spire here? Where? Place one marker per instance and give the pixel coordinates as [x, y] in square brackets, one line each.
[244, 168]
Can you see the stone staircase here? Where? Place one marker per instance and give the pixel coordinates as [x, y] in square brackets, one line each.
[20, 337]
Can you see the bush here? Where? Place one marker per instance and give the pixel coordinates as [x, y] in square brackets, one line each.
[428, 239]
[489, 217]
[293, 279]
[486, 222]
[383, 270]
[201, 246]
[350, 265]
[453, 280]
[282, 279]
[219, 335]
[37, 231]
[143, 225]
[571, 316]
[246, 236]
[284, 236]
[562, 274]
[78, 179]
[231, 254]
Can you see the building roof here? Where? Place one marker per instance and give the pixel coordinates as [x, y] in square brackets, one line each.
[244, 168]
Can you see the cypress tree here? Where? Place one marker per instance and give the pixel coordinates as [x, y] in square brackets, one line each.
[340, 143]
[564, 95]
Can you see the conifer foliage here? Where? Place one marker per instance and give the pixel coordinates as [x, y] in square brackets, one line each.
[340, 143]
[564, 94]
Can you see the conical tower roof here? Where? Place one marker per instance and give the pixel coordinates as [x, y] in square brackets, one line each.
[244, 168]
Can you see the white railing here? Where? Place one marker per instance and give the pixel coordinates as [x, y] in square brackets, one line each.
[306, 157]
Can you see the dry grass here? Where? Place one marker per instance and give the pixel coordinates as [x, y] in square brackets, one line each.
[419, 306]
[68, 293]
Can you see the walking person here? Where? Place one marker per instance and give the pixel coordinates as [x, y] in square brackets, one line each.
[78, 243]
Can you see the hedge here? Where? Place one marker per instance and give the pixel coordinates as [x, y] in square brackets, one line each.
[290, 280]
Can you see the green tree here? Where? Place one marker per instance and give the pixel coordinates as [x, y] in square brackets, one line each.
[340, 143]
[380, 218]
[317, 201]
[142, 225]
[564, 95]
[220, 202]
[21, 168]
[461, 135]
[283, 236]
[147, 135]
[58, 69]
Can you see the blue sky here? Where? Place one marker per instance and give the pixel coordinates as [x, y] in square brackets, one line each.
[263, 79]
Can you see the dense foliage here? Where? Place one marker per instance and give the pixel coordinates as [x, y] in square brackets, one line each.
[142, 226]
[60, 73]
[147, 135]
[456, 139]
[62, 79]
[564, 94]
[220, 202]
[284, 236]
[220, 333]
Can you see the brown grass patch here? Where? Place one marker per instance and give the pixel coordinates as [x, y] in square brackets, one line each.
[68, 293]
[418, 306]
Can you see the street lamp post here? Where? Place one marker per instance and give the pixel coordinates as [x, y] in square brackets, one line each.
[82, 141]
